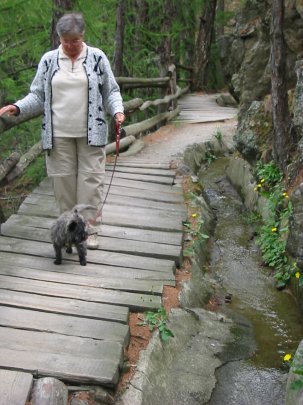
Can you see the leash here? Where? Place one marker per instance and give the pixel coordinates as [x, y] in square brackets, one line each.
[118, 136]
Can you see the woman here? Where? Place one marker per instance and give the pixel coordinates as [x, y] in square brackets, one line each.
[74, 87]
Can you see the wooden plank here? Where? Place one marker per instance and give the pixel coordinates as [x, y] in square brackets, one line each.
[125, 233]
[63, 367]
[65, 306]
[140, 248]
[140, 177]
[142, 163]
[45, 189]
[91, 270]
[125, 168]
[48, 201]
[49, 205]
[15, 387]
[134, 286]
[42, 249]
[20, 339]
[145, 235]
[151, 191]
[143, 218]
[134, 301]
[20, 318]
[116, 215]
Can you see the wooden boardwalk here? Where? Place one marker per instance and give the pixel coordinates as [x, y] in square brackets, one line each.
[70, 321]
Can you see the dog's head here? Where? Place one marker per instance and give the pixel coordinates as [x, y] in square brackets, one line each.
[77, 228]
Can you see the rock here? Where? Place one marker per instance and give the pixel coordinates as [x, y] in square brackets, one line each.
[49, 391]
[226, 100]
[294, 396]
[254, 131]
[182, 371]
[103, 396]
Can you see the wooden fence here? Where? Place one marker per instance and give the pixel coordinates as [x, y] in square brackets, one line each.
[166, 109]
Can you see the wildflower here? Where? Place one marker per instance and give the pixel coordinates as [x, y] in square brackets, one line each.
[285, 195]
[274, 229]
[256, 188]
[259, 185]
[193, 215]
[262, 181]
[297, 274]
[287, 357]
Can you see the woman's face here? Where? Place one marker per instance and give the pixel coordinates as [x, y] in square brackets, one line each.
[72, 44]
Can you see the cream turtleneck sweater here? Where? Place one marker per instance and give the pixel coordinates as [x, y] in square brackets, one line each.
[70, 97]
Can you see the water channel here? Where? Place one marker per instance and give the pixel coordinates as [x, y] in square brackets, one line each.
[268, 322]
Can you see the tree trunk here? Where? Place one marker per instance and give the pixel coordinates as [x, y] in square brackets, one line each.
[164, 49]
[282, 136]
[203, 43]
[119, 39]
[59, 8]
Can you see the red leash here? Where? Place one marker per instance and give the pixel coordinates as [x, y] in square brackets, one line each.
[118, 135]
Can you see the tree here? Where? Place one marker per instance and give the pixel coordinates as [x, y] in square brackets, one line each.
[119, 38]
[203, 43]
[59, 8]
[282, 134]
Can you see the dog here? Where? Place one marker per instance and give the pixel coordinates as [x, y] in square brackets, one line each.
[70, 229]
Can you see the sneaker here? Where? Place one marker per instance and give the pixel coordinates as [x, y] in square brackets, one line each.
[92, 241]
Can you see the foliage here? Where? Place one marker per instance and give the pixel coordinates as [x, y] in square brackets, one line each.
[210, 156]
[218, 135]
[158, 320]
[269, 174]
[273, 234]
[194, 229]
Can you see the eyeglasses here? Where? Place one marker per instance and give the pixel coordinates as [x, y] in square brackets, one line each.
[71, 41]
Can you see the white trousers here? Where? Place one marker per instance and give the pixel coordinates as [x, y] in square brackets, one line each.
[78, 172]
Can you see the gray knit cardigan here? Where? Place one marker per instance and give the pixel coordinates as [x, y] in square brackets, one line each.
[103, 95]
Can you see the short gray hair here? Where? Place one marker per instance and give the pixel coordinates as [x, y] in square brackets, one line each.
[71, 23]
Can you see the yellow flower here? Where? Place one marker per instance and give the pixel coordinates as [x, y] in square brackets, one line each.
[285, 195]
[193, 215]
[262, 180]
[256, 188]
[259, 185]
[274, 229]
[287, 357]
[297, 274]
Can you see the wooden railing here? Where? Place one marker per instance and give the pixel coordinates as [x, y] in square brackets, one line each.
[167, 110]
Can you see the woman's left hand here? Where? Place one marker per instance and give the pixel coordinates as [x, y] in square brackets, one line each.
[119, 117]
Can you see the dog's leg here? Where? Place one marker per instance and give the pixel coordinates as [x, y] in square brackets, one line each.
[69, 249]
[81, 249]
[58, 253]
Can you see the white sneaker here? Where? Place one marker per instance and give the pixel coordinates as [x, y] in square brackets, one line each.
[92, 241]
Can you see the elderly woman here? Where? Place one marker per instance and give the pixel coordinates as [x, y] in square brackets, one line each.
[74, 87]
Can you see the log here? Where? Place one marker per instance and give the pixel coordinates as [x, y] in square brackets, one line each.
[7, 122]
[124, 144]
[25, 160]
[165, 100]
[7, 165]
[137, 129]
[132, 105]
[136, 82]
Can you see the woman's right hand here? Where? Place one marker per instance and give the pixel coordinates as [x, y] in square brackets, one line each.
[9, 110]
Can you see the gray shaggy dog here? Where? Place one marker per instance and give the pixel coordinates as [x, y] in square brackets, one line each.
[68, 230]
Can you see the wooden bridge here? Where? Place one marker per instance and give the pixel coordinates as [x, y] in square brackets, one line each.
[70, 321]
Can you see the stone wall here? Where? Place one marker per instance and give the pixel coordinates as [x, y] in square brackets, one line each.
[245, 53]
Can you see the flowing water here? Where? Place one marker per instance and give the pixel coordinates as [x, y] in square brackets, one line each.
[268, 322]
